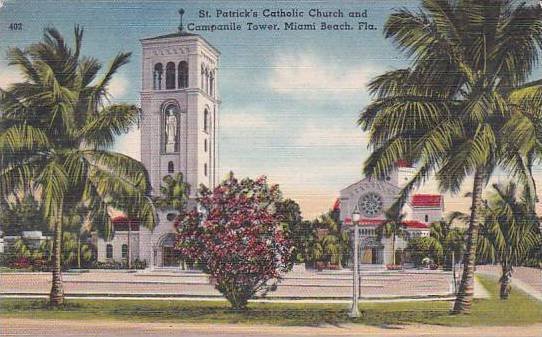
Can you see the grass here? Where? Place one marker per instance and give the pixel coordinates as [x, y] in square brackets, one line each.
[520, 309]
[13, 270]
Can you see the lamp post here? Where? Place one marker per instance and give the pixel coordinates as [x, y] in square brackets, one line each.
[354, 312]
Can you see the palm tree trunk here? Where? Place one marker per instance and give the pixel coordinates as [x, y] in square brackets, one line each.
[465, 293]
[505, 280]
[393, 248]
[56, 297]
[79, 251]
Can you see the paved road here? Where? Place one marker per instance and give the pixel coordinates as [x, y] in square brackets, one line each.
[306, 285]
[46, 328]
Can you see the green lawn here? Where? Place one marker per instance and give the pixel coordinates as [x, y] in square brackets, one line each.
[518, 310]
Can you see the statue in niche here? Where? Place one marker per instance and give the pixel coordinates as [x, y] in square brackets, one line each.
[171, 128]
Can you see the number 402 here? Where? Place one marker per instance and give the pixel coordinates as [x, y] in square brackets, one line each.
[16, 26]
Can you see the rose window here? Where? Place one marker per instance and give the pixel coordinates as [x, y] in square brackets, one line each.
[371, 204]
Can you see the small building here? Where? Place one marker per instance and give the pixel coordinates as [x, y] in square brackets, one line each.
[32, 239]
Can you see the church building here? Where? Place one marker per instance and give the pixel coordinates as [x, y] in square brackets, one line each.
[179, 133]
[371, 198]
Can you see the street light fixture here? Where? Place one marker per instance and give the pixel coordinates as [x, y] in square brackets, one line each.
[354, 312]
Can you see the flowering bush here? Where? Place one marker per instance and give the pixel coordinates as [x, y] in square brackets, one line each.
[394, 267]
[21, 263]
[237, 239]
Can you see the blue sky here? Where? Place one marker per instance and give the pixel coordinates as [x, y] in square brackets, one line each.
[290, 100]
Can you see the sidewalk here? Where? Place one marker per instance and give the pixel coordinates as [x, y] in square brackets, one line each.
[309, 286]
[527, 279]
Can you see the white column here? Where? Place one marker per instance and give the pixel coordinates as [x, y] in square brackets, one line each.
[152, 251]
[354, 312]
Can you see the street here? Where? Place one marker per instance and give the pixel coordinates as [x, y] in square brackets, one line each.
[59, 328]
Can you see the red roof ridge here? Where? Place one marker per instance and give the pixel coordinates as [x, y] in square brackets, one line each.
[337, 204]
[426, 200]
[414, 224]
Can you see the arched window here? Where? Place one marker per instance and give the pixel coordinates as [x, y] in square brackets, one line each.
[206, 120]
[170, 167]
[124, 250]
[205, 169]
[426, 218]
[157, 76]
[109, 251]
[205, 145]
[170, 75]
[182, 75]
[212, 84]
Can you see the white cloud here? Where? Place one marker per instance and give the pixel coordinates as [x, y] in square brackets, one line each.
[243, 120]
[9, 75]
[118, 87]
[129, 144]
[305, 74]
[324, 135]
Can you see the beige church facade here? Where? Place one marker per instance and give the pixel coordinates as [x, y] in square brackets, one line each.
[371, 198]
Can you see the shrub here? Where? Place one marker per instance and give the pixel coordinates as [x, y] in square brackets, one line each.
[237, 238]
[394, 267]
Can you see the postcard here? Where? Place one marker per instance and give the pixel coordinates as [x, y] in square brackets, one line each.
[209, 168]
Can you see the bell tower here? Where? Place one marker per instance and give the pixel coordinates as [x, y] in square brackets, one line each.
[179, 101]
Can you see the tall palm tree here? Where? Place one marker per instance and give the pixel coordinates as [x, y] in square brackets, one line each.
[464, 107]
[509, 232]
[393, 227]
[56, 132]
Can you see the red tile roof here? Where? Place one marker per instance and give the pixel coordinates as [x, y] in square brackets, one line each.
[426, 200]
[364, 222]
[414, 224]
[120, 223]
[337, 205]
[410, 224]
[371, 222]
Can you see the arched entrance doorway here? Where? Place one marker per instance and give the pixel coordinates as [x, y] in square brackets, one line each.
[371, 251]
[167, 255]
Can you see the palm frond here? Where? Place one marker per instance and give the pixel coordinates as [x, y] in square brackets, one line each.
[100, 130]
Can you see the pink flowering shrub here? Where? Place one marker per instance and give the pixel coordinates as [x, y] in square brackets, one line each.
[237, 239]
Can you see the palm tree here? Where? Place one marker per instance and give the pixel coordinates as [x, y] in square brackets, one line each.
[452, 239]
[392, 227]
[332, 249]
[464, 107]
[56, 132]
[74, 223]
[174, 194]
[509, 232]
[315, 251]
